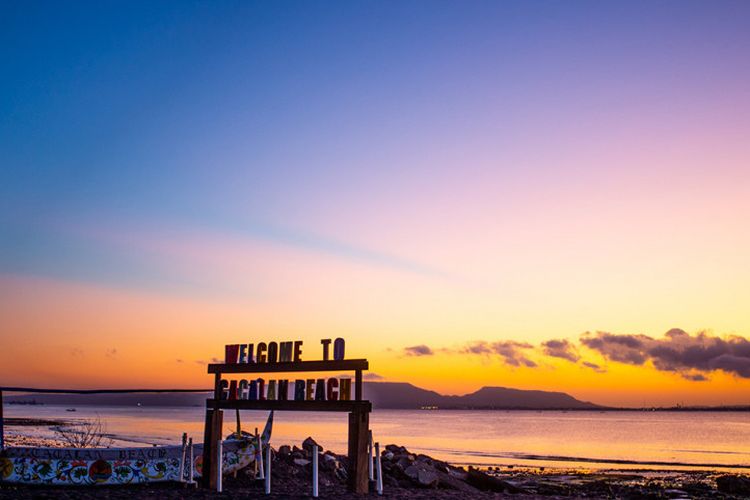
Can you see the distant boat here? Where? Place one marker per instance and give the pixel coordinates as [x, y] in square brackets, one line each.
[70, 409]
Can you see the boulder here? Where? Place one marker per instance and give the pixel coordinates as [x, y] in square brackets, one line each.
[308, 444]
[285, 450]
[485, 482]
[395, 449]
[422, 476]
[328, 462]
[301, 461]
[733, 484]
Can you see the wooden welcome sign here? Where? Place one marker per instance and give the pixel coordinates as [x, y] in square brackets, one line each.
[283, 394]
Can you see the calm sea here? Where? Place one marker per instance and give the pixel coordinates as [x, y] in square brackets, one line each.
[649, 440]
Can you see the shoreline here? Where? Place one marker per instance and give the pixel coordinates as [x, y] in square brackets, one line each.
[536, 463]
[411, 475]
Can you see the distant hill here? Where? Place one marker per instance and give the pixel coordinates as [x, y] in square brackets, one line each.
[404, 395]
[395, 395]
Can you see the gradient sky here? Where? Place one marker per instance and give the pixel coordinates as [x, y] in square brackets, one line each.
[447, 185]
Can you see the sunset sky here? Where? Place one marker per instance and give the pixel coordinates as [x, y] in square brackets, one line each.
[540, 195]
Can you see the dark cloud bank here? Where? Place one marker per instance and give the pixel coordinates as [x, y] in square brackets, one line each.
[678, 351]
[691, 356]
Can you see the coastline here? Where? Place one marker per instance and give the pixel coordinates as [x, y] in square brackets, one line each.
[412, 475]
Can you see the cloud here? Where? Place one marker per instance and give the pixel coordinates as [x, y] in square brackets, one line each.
[561, 349]
[178, 360]
[111, 353]
[679, 352]
[418, 350]
[510, 351]
[593, 366]
[76, 351]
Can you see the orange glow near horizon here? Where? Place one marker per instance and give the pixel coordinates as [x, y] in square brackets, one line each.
[81, 336]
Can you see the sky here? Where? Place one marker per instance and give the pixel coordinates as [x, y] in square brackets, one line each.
[541, 195]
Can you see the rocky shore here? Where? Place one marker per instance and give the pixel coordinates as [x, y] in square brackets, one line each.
[411, 475]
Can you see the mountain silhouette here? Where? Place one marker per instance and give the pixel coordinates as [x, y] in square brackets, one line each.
[406, 396]
[395, 395]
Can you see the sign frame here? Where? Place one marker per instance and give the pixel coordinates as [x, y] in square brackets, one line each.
[358, 409]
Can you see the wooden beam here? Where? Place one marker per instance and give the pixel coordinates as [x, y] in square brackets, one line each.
[301, 366]
[245, 404]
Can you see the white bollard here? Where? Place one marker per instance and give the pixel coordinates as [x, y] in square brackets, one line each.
[219, 466]
[315, 470]
[268, 469]
[191, 470]
[182, 457]
[380, 469]
[261, 475]
[370, 467]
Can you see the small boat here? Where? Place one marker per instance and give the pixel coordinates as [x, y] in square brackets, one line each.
[70, 409]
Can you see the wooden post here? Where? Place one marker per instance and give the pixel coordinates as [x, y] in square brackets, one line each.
[212, 436]
[207, 452]
[358, 385]
[359, 422]
[216, 432]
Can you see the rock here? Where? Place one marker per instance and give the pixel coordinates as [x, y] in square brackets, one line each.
[733, 484]
[402, 463]
[285, 450]
[341, 474]
[390, 481]
[421, 475]
[388, 455]
[300, 461]
[308, 444]
[328, 462]
[449, 482]
[393, 448]
[485, 482]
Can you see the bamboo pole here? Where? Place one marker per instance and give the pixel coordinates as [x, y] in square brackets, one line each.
[380, 469]
[315, 471]
[192, 463]
[370, 471]
[219, 465]
[268, 469]
[260, 458]
[182, 457]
